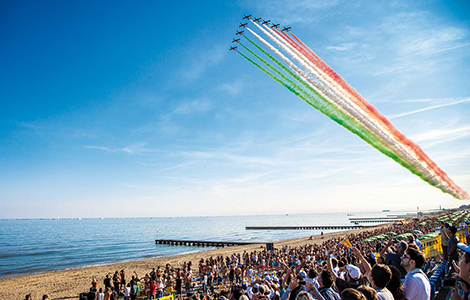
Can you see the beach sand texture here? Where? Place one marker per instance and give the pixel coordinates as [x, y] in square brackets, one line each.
[68, 284]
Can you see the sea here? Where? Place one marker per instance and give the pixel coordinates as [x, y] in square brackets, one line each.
[39, 245]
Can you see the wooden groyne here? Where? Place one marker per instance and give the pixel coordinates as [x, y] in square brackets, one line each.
[199, 243]
[321, 227]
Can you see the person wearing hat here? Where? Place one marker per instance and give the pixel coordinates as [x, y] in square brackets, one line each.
[464, 274]
[353, 276]
[416, 285]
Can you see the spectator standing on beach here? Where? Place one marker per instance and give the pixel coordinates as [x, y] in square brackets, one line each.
[100, 294]
[91, 295]
[153, 289]
[115, 295]
[187, 283]
[179, 285]
[107, 294]
[107, 282]
[160, 288]
[133, 290]
[94, 284]
[417, 286]
[116, 281]
[127, 292]
[123, 278]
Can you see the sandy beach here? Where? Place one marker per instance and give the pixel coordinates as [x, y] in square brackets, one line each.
[68, 284]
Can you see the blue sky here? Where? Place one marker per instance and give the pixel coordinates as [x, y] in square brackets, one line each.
[113, 108]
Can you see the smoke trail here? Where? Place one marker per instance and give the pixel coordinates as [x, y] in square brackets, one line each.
[355, 127]
[416, 169]
[380, 118]
[325, 90]
[402, 148]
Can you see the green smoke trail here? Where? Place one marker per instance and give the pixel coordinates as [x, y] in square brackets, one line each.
[327, 108]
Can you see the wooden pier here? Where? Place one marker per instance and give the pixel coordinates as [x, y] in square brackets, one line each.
[199, 243]
[321, 227]
[374, 220]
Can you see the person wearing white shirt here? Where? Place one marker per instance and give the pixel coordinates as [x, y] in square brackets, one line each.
[417, 286]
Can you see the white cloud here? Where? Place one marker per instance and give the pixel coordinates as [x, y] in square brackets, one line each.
[179, 166]
[443, 135]
[233, 88]
[133, 149]
[193, 106]
[422, 45]
[428, 108]
[296, 11]
[207, 58]
[342, 47]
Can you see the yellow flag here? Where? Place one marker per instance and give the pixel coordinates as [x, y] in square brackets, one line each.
[346, 242]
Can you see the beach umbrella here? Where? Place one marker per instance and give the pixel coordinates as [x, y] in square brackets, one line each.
[404, 235]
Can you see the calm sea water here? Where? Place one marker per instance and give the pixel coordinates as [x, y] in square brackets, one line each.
[31, 246]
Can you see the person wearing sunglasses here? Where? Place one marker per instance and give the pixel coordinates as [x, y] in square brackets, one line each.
[416, 285]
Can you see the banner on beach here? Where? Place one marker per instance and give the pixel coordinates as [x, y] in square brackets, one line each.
[433, 246]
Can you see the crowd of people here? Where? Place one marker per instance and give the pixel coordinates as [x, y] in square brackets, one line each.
[331, 269]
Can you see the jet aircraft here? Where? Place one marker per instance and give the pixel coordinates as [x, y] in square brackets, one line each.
[247, 17]
[243, 25]
[236, 41]
[266, 22]
[257, 20]
[275, 25]
[240, 32]
[233, 48]
[286, 28]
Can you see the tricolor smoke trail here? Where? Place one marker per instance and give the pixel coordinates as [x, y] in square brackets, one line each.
[306, 75]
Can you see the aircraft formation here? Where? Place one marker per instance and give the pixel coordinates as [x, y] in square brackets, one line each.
[257, 20]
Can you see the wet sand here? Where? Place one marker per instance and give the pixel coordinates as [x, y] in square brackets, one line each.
[68, 284]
